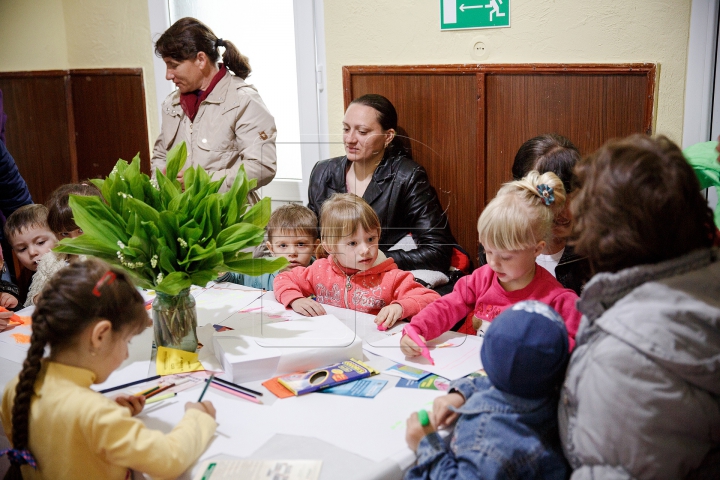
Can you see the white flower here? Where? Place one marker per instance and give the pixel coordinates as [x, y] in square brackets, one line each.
[159, 278]
[182, 242]
[154, 183]
[120, 244]
[125, 195]
[153, 261]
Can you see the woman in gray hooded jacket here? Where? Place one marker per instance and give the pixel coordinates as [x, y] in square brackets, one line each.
[642, 394]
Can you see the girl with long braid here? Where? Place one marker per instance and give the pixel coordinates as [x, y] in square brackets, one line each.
[60, 428]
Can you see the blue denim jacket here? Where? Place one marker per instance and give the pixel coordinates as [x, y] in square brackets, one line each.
[498, 435]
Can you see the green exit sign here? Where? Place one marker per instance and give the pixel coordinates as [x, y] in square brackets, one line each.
[459, 14]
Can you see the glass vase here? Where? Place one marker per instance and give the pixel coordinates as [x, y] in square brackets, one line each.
[175, 321]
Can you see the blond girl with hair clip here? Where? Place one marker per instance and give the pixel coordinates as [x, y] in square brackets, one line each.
[356, 274]
[514, 229]
[59, 427]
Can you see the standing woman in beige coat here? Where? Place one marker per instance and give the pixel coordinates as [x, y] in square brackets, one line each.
[222, 119]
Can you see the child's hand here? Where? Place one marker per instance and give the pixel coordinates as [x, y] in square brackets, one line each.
[410, 348]
[415, 432]
[307, 307]
[205, 406]
[5, 319]
[134, 403]
[7, 300]
[442, 416]
[388, 315]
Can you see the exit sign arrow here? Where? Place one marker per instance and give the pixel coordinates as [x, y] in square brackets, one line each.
[464, 7]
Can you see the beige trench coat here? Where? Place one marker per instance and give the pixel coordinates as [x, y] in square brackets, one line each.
[233, 127]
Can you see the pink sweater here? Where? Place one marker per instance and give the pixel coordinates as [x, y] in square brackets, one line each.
[367, 291]
[481, 294]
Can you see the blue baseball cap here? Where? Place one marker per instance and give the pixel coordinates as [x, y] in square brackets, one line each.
[525, 350]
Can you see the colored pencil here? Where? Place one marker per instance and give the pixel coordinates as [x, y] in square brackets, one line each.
[159, 390]
[239, 387]
[137, 382]
[232, 388]
[161, 397]
[236, 393]
[206, 387]
[145, 392]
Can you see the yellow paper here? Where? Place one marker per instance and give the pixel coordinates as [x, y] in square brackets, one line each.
[170, 360]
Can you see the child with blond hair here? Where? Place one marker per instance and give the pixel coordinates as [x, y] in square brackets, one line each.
[292, 233]
[356, 274]
[514, 229]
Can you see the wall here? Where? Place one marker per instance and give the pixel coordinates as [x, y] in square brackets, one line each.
[62, 34]
[407, 32]
[31, 36]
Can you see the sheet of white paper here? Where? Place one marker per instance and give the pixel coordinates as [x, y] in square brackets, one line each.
[206, 354]
[11, 340]
[361, 323]
[377, 425]
[219, 301]
[260, 343]
[136, 366]
[260, 469]
[455, 354]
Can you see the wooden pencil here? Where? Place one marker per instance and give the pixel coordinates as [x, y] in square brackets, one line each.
[159, 390]
[236, 393]
[239, 387]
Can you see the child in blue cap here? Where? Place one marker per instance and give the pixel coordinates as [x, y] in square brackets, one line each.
[506, 422]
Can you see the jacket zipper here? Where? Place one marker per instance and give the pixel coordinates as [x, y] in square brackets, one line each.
[347, 289]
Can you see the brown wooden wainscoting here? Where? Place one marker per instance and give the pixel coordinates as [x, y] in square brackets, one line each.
[69, 125]
[465, 123]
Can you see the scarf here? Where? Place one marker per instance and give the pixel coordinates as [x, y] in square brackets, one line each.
[191, 101]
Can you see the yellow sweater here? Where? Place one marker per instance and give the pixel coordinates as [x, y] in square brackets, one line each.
[78, 433]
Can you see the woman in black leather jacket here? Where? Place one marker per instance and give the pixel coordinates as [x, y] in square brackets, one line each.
[378, 169]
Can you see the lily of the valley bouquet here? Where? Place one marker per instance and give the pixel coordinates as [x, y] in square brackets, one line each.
[167, 237]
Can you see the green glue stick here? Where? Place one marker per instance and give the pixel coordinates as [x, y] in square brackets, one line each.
[424, 418]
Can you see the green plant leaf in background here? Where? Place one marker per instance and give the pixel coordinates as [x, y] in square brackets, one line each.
[167, 237]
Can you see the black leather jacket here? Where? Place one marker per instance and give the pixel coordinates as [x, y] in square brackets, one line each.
[572, 271]
[401, 195]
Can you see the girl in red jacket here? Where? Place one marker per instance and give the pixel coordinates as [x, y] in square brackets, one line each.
[356, 275]
[513, 228]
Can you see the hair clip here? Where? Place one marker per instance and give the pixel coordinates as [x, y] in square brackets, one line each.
[219, 43]
[546, 193]
[108, 278]
[19, 457]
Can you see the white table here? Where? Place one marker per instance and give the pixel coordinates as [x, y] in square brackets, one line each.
[292, 428]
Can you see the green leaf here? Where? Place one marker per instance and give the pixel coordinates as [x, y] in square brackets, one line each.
[87, 245]
[257, 266]
[239, 236]
[97, 219]
[173, 283]
[259, 214]
[167, 260]
[175, 162]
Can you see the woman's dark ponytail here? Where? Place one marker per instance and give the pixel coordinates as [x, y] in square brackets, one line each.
[188, 36]
[235, 61]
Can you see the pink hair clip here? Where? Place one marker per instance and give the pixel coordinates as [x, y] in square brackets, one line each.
[108, 278]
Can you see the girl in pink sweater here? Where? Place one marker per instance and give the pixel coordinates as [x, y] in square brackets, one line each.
[513, 228]
[356, 275]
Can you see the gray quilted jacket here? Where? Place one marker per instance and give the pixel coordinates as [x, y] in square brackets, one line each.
[642, 394]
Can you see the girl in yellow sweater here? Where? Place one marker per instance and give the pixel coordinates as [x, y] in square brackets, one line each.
[58, 426]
